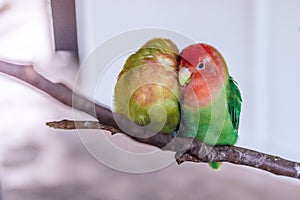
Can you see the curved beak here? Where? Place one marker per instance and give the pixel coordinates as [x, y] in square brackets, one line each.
[184, 76]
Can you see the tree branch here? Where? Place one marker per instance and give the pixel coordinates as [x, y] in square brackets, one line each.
[187, 149]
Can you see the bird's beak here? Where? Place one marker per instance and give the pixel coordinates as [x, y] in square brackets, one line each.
[184, 76]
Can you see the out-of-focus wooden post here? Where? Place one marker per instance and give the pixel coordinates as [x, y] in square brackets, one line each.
[64, 25]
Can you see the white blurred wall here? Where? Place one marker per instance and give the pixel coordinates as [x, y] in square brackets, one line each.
[283, 77]
[259, 40]
[25, 35]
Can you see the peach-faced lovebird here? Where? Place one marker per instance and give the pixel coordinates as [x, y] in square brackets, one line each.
[147, 90]
[210, 98]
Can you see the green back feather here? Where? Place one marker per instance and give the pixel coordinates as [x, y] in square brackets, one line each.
[234, 101]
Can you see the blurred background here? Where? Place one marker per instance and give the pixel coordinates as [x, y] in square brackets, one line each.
[259, 40]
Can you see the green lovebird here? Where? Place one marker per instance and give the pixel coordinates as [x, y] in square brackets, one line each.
[210, 98]
[147, 89]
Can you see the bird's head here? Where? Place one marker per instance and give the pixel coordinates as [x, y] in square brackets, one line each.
[200, 61]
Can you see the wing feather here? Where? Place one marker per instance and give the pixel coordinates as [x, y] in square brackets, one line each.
[234, 102]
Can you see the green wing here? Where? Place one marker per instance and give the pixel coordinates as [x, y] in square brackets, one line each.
[234, 101]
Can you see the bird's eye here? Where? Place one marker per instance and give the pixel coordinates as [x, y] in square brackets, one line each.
[200, 66]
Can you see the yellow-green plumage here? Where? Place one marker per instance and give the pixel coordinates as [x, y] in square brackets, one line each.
[147, 88]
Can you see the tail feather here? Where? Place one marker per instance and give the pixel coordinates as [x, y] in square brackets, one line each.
[215, 165]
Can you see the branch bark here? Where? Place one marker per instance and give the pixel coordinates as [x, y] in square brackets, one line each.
[187, 149]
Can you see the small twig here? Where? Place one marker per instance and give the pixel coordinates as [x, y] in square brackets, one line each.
[187, 149]
[70, 125]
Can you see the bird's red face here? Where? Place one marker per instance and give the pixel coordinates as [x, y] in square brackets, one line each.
[199, 62]
[202, 70]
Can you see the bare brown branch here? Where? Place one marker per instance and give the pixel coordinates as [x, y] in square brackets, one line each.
[187, 149]
[192, 150]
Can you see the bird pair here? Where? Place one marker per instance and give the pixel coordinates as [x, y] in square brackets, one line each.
[190, 93]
